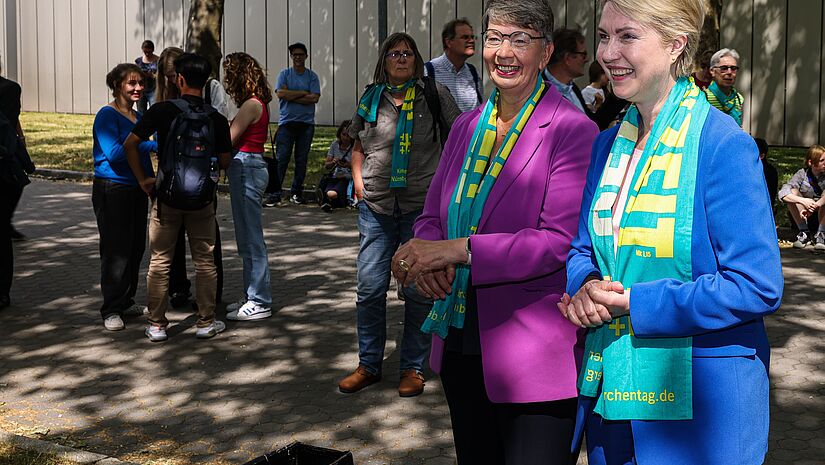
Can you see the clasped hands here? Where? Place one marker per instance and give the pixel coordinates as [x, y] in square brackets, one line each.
[596, 302]
[429, 264]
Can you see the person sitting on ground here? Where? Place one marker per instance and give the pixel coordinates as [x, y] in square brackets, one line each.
[721, 93]
[802, 195]
[594, 93]
[119, 203]
[247, 85]
[771, 175]
[339, 164]
[191, 73]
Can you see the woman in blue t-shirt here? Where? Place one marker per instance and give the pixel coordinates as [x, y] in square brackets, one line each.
[120, 204]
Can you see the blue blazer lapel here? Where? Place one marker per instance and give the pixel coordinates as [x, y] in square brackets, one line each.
[526, 146]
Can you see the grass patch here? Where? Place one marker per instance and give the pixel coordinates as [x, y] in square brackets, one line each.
[13, 455]
[64, 141]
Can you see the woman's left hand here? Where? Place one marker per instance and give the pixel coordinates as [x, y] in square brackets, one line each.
[597, 302]
[420, 256]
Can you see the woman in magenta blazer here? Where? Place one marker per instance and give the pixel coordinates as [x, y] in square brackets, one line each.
[490, 248]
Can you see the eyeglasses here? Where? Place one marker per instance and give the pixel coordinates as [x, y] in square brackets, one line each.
[583, 54]
[518, 39]
[299, 55]
[394, 55]
[725, 69]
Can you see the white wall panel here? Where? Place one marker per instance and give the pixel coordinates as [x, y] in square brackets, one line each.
[418, 24]
[28, 55]
[301, 28]
[233, 19]
[133, 25]
[737, 33]
[442, 12]
[63, 56]
[255, 25]
[153, 24]
[323, 58]
[3, 46]
[173, 28]
[98, 53]
[80, 62]
[472, 10]
[277, 39]
[367, 41]
[768, 100]
[345, 89]
[803, 72]
[396, 15]
[45, 55]
[116, 33]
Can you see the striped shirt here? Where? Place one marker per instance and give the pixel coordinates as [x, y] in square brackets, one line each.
[461, 83]
[716, 103]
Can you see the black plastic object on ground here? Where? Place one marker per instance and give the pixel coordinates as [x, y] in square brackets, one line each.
[299, 453]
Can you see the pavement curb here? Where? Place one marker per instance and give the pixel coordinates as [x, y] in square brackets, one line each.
[62, 452]
[68, 175]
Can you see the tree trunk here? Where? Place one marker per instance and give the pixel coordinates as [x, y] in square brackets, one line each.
[709, 40]
[203, 35]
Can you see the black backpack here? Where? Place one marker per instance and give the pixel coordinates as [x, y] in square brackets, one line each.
[188, 169]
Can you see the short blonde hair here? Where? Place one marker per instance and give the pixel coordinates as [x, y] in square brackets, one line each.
[813, 155]
[670, 19]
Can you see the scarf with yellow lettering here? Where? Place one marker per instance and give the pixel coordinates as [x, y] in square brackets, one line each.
[649, 378]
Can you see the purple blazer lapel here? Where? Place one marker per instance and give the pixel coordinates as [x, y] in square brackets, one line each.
[526, 146]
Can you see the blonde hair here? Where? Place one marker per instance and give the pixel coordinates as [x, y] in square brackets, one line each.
[813, 155]
[167, 90]
[670, 19]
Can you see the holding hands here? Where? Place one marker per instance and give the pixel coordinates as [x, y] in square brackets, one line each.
[429, 264]
[597, 302]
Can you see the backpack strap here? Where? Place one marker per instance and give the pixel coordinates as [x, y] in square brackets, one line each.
[207, 92]
[434, 104]
[474, 72]
[430, 68]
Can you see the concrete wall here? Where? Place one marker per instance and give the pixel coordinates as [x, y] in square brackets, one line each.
[60, 50]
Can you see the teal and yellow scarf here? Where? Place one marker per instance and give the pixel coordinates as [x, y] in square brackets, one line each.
[478, 175]
[729, 104]
[650, 378]
[368, 109]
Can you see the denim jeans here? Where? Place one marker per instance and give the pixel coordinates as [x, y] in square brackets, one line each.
[299, 137]
[380, 236]
[121, 211]
[247, 180]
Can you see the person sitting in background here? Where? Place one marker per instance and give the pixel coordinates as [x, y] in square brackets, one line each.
[339, 164]
[803, 197]
[247, 85]
[721, 93]
[702, 77]
[119, 203]
[771, 175]
[594, 93]
[148, 63]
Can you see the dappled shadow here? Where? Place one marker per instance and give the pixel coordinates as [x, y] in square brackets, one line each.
[256, 387]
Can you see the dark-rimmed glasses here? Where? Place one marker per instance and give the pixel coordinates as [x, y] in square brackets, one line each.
[725, 69]
[395, 54]
[518, 39]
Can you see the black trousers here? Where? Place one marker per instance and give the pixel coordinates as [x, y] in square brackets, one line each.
[121, 211]
[503, 434]
[178, 282]
[9, 196]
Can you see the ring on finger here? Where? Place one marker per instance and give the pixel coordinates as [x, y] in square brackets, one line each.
[404, 265]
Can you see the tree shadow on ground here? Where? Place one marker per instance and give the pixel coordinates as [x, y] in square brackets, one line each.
[258, 386]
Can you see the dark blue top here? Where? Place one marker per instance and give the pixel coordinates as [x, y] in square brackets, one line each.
[737, 274]
[109, 131]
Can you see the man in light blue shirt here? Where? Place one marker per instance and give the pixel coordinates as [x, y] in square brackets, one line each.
[567, 63]
[451, 68]
[298, 91]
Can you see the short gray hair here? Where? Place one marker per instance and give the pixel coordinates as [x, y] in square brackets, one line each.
[725, 52]
[529, 14]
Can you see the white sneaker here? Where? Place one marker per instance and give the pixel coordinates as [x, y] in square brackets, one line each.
[819, 239]
[206, 332]
[802, 239]
[235, 306]
[250, 311]
[113, 322]
[136, 310]
[156, 333]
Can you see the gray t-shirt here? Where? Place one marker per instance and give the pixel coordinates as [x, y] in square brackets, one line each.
[377, 141]
[801, 183]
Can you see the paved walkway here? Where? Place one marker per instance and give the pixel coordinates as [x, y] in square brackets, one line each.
[262, 385]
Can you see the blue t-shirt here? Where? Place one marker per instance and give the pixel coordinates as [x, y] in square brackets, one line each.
[292, 80]
[109, 131]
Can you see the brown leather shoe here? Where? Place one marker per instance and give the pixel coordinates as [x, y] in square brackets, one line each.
[359, 379]
[411, 384]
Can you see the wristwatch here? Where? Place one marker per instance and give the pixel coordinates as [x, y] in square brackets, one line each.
[469, 252]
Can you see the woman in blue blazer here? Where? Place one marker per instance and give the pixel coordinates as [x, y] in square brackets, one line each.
[675, 262]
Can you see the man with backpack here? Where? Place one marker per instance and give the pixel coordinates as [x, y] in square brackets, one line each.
[193, 144]
[451, 68]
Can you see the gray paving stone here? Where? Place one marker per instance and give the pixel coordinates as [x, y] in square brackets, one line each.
[261, 385]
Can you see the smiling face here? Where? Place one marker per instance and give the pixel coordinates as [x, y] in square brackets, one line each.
[401, 68]
[132, 87]
[640, 66]
[723, 74]
[299, 58]
[515, 70]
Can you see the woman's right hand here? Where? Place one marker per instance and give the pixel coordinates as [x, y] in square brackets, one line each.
[358, 188]
[435, 285]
